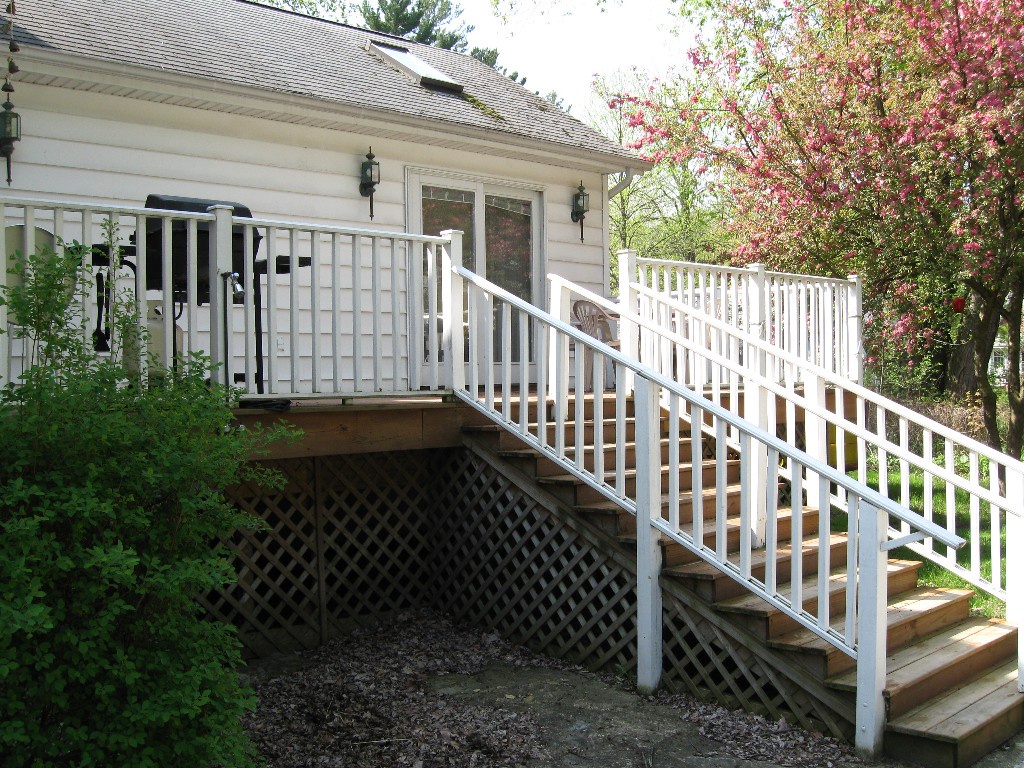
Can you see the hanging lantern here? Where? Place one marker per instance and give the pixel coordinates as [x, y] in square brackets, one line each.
[369, 178]
[10, 132]
[580, 206]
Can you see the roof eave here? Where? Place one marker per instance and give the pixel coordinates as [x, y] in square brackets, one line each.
[148, 84]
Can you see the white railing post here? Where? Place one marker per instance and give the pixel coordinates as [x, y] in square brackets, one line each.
[5, 331]
[1015, 564]
[218, 273]
[872, 585]
[453, 333]
[755, 407]
[648, 549]
[855, 329]
[558, 353]
[629, 332]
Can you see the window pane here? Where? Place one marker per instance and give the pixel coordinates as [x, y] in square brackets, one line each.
[508, 232]
[449, 209]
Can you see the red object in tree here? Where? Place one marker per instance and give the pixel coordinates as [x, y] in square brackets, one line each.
[959, 303]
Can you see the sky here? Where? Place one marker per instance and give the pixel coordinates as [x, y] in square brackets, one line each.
[561, 49]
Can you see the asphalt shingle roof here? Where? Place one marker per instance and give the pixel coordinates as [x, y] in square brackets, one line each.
[243, 43]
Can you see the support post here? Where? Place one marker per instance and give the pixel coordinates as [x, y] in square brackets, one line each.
[648, 549]
[1015, 564]
[871, 629]
[453, 334]
[5, 331]
[629, 332]
[855, 329]
[219, 269]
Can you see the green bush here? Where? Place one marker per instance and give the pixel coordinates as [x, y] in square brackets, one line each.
[110, 515]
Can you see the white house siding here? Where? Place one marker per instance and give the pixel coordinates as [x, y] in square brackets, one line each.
[86, 146]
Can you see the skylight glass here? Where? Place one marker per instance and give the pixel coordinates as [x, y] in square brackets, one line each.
[415, 67]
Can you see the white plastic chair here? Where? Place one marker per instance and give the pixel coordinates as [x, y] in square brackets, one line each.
[596, 322]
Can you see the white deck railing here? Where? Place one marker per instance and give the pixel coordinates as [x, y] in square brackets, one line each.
[342, 311]
[813, 319]
[964, 486]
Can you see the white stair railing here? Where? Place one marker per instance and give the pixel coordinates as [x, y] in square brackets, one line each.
[963, 485]
[591, 445]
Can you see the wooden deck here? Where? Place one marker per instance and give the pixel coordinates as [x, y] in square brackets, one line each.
[336, 426]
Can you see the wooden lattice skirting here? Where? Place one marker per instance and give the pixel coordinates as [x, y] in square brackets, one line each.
[353, 539]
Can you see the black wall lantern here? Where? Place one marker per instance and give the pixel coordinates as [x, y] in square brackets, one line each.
[369, 178]
[10, 131]
[580, 206]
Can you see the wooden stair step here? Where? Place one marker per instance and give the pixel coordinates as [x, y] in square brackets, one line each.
[962, 725]
[585, 494]
[614, 520]
[675, 554]
[709, 495]
[609, 449]
[716, 586]
[608, 405]
[949, 658]
[909, 616]
[501, 439]
[771, 621]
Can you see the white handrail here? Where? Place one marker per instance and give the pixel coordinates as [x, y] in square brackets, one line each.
[710, 408]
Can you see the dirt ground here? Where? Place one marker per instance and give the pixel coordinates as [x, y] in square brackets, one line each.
[423, 693]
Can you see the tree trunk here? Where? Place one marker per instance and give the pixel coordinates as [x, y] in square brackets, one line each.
[1015, 395]
[984, 339]
[960, 377]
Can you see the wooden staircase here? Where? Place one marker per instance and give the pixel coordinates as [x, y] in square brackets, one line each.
[951, 685]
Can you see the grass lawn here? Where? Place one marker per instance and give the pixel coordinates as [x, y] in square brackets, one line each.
[933, 574]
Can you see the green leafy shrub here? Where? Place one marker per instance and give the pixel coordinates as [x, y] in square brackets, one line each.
[109, 517]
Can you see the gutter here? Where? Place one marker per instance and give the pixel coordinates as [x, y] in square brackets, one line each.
[623, 183]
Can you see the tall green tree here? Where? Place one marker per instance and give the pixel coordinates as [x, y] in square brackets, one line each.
[433, 22]
[668, 212]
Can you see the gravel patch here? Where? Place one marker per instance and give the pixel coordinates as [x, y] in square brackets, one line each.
[422, 692]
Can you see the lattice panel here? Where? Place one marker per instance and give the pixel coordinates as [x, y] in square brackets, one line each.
[376, 534]
[353, 538]
[346, 543]
[505, 563]
[709, 662]
[275, 603]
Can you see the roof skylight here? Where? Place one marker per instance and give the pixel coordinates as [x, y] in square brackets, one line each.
[408, 62]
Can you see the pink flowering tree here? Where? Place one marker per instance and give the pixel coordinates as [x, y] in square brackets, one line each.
[883, 138]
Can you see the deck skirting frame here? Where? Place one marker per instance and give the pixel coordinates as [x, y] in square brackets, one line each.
[352, 539]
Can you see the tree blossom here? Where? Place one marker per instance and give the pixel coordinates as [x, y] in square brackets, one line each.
[878, 138]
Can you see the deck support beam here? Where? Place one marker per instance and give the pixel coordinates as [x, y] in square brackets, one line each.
[873, 532]
[648, 548]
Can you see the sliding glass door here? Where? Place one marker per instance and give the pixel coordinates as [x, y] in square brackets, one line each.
[501, 227]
